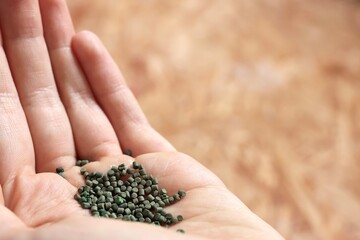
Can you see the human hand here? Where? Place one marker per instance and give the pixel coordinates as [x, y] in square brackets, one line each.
[63, 98]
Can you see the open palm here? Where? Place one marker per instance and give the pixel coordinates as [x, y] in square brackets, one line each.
[63, 98]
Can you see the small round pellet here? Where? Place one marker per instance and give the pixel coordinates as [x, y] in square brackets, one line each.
[161, 203]
[114, 207]
[101, 199]
[151, 215]
[121, 167]
[89, 183]
[130, 171]
[110, 173]
[148, 183]
[127, 211]
[86, 205]
[147, 190]
[182, 193]
[176, 197]
[141, 192]
[128, 152]
[77, 197]
[157, 216]
[136, 165]
[131, 206]
[155, 181]
[180, 218]
[150, 197]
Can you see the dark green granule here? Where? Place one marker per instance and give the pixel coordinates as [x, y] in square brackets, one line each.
[180, 230]
[81, 163]
[128, 194]
[128, 152]
[60, 171]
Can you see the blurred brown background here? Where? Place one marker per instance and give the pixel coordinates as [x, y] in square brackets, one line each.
[264, 93]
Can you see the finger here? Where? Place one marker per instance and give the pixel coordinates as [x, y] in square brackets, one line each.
[16, 152]
[93, 133]
[115, 98]
[30, 66]
[176, 171]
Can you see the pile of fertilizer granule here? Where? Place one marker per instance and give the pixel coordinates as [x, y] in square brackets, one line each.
[128, 194]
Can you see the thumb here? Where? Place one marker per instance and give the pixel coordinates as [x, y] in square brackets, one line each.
[10, 225]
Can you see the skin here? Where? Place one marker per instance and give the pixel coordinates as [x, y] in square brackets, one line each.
[62, 98]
